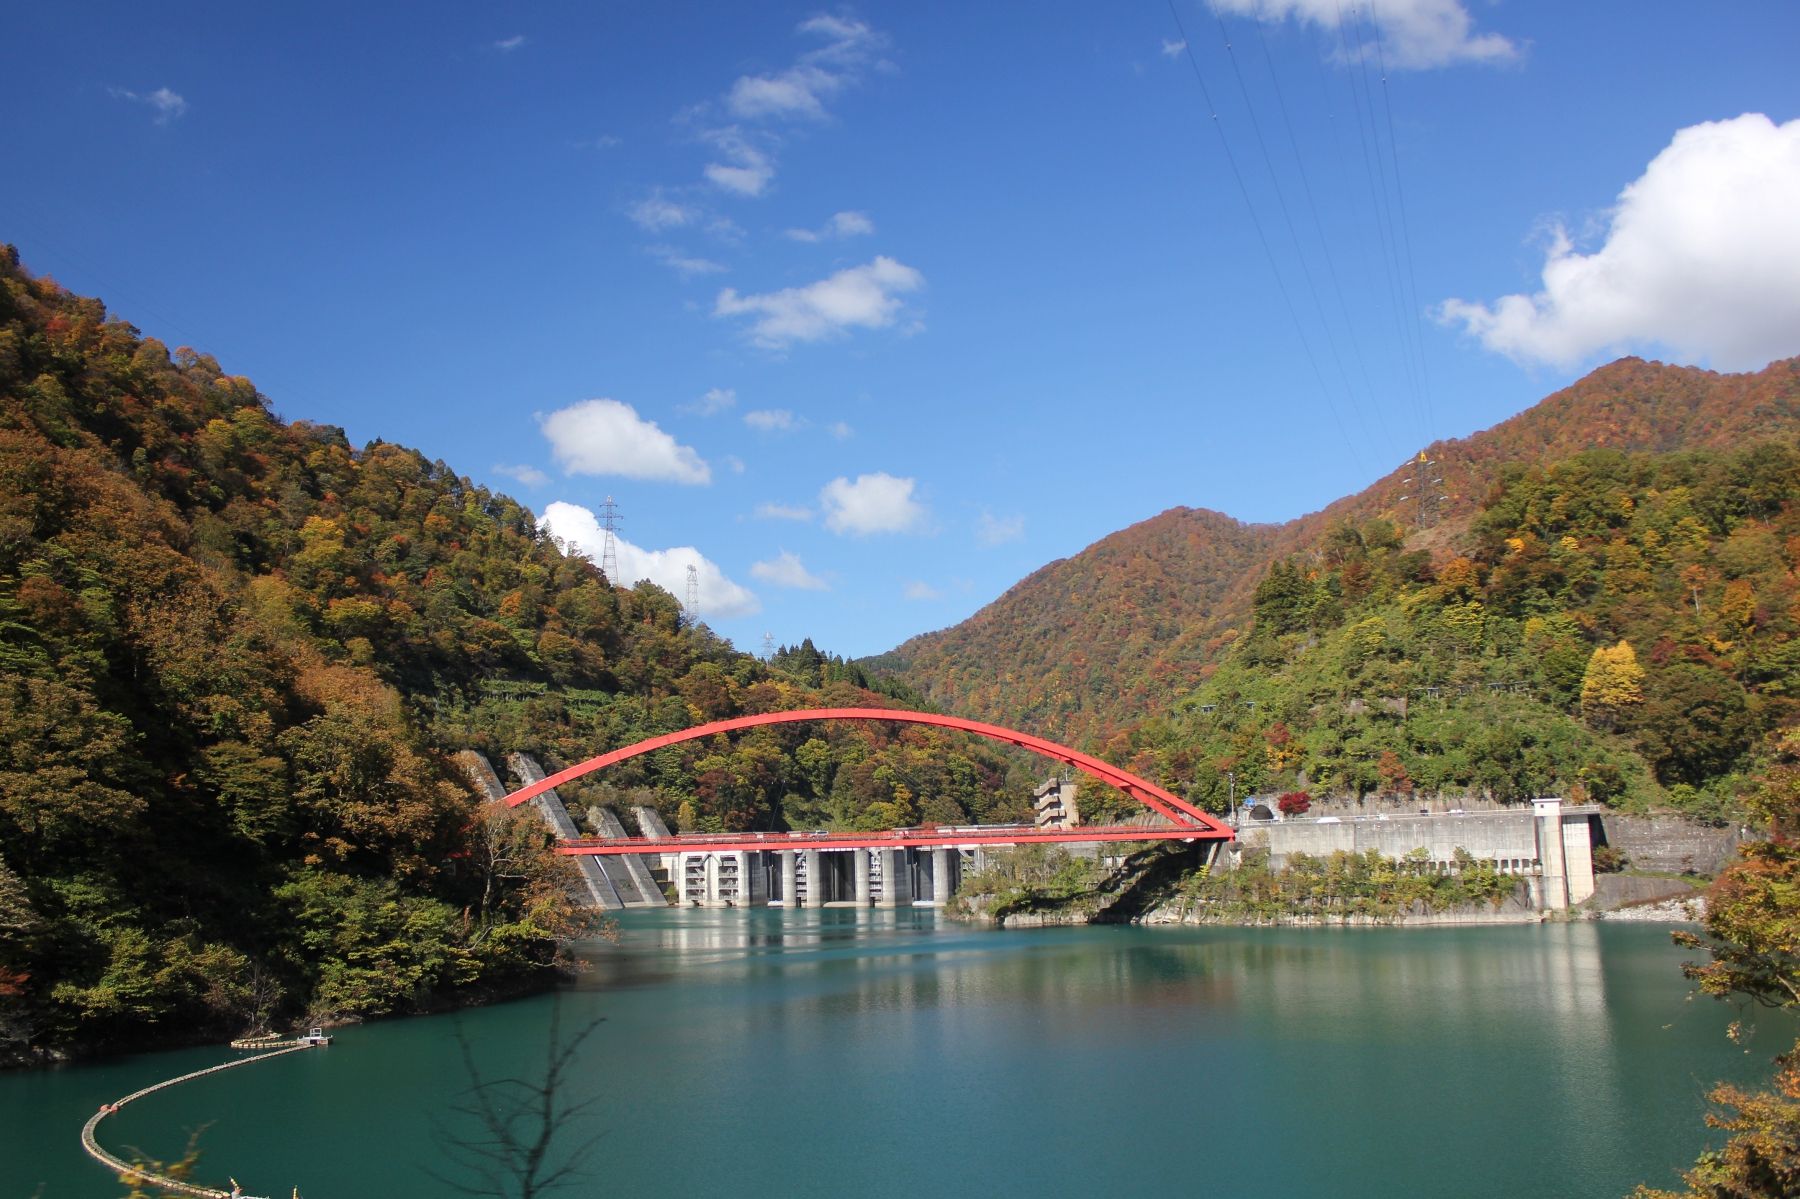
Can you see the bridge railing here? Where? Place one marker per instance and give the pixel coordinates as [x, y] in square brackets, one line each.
[938, 836]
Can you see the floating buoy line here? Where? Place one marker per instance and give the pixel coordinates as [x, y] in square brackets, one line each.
[136, 1174]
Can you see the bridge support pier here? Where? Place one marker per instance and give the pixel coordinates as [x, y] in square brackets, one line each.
[943, 863]
[860, 887]
[790, 878]
[815, 879]
[896, 880]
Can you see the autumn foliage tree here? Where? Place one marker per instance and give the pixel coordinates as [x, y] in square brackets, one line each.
[1612, 685]
[1294, 803]
[236, 654]
[1752, 935]
[1392, 772]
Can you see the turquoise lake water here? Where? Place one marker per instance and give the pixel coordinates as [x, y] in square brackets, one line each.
[868, 1054]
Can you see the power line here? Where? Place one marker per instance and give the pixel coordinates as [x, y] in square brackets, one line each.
[1287, 215]
[1364, 101]
[1288, 219]
[1337, 286]
[1387, 105]
[1262, 237]
[101, 280]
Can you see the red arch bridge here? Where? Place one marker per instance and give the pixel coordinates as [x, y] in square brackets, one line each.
[1170, 818]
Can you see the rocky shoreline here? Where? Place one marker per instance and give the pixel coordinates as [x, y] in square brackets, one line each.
[1688, 910]
[1662, 911]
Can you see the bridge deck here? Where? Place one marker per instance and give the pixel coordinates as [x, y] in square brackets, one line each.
[918, 838]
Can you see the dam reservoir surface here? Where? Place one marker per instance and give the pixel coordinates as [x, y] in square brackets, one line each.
[870, 1053]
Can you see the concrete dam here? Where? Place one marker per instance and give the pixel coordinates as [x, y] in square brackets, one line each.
[849, 877]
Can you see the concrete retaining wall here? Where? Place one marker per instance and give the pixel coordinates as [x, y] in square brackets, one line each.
[1670, 843]
[1623, 890]
[1494, 836]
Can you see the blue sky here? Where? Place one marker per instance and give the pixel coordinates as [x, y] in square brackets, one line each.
[870, 311]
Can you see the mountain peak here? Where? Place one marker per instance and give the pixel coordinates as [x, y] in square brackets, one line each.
[1087, 644]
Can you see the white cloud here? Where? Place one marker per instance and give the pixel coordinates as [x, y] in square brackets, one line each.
[998, 530]
[842, 430]
[684, 264]
[167, 104]
[715, 401]
[864, 296]
[733, 463]
[657, 212]
[1701, 256]
[917, 590]
[774, 511]
[802, 89]
[877, 503]
[746, 179]
[606, 437]
[1173, 49]
[841, 225]
[1415, 34]
[799, 91]
[786, 570]
[850, 224]
[747, 170]
[771, 420]
[579, 529]
[847, 39]
[507, 45]
[531, 476]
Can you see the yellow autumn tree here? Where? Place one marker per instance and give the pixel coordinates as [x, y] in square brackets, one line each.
[1614, 682]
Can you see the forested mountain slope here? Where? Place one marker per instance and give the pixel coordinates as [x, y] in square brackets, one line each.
[1116, 629]
[1015, 660]
[235, 652]
[1620, 628]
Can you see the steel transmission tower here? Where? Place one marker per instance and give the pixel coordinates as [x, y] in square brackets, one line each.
[609, 550]
[693, 594]
[1427, 488]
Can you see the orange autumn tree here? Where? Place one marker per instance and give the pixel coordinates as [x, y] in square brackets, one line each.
[1752, 934]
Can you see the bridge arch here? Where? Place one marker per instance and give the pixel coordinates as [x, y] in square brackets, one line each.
[1157, 799]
